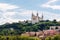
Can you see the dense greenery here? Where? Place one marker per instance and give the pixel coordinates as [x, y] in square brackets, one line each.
[21, 27]
[18, 38]
[56, 37]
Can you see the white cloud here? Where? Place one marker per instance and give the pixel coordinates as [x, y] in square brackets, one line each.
[47, 15]
[51, 1]
[49, 5]
[5, 6]
[7, 16]
[51, 16]
[28, 12]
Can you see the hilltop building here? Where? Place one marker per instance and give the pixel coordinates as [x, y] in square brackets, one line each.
[36, 19]
[54, 27]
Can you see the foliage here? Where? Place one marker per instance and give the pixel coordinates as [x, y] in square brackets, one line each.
[56, 37]
[21, 27]
[18, 38]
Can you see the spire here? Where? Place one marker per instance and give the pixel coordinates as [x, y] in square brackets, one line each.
[37, 13]
[32, 14]
[42, 16]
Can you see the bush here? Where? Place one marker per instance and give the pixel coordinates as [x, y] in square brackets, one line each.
[28, 38]
[56, 37]
[48, 38]
[18, 38]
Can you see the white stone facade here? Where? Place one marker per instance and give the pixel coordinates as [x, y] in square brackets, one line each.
[54, 27]
[36, 19]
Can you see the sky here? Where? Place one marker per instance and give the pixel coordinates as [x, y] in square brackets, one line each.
[19, 10]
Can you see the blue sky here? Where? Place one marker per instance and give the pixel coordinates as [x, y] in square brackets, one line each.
[16, 10]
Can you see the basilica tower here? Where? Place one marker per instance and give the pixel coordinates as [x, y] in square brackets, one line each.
[36, 19]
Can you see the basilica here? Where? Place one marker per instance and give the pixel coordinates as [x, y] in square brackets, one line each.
[36, 19]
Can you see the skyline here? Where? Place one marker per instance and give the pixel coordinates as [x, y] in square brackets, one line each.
[16, 10]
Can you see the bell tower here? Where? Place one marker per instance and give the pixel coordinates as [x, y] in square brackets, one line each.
[32, 14]
[42, 16]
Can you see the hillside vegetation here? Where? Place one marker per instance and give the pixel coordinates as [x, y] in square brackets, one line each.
[21, 27]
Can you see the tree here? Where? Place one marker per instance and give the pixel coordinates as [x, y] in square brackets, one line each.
[47, 20]
[54, 21]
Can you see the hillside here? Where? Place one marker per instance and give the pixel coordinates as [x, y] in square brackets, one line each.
[21, 27]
